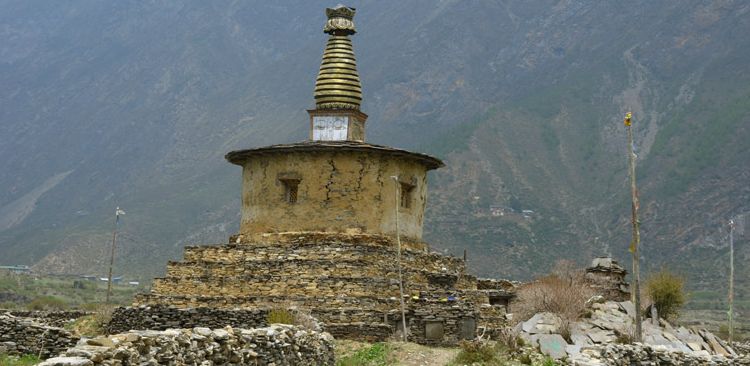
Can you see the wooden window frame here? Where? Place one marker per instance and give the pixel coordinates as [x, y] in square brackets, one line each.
[291, 190]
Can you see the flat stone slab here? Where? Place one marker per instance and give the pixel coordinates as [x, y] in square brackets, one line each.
[542, 323]
[553, 345]
[67, 361]
[628, 308]
[602, 336]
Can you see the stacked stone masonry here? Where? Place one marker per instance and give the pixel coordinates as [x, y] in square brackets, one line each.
[348, 282]
[19, 336]
[280, 345]
[57, 318]
[160, 317]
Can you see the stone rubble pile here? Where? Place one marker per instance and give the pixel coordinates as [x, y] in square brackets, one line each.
[642, 354]
[20, 336]
[277, 345]
[603, 337]
[742, 348]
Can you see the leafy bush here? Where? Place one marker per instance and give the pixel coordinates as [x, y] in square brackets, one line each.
[375, 355]
[666, 291]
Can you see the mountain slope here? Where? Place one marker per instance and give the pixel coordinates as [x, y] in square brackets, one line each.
[135, 103]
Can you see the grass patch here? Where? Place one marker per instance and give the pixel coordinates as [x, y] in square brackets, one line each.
[25, 360]
[92, 325]
[375, 355]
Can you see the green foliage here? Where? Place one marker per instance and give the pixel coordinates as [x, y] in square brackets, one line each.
[25, 360]
[47, 292]
[375, 355]
[667, 292]
[47, 303]
[548, 361]
[280, 316]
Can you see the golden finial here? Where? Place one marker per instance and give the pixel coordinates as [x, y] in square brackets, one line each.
[338, 86]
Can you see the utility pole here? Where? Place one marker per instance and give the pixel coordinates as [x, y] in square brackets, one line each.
[731, 281]
[397, 194]
[636, 241]
[118, 212]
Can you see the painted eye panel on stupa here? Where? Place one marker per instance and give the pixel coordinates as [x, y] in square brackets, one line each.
[330, 128]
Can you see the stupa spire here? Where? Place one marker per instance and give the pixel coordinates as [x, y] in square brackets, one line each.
[338, 86]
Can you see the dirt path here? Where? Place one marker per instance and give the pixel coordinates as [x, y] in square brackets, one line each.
[403, 354]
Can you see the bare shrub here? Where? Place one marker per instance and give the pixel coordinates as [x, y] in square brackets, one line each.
[94, 324]
[509, 340]
[564, 293]
[305, 320]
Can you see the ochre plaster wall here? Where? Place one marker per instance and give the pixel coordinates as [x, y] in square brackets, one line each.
[347, 191]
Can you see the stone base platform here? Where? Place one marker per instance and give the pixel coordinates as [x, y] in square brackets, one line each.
[350, 283]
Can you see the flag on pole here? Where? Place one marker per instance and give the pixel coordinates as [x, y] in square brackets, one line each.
[119, 212]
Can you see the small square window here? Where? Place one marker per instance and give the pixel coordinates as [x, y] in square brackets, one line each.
[433, 330]
[405, 199]
[290, 190]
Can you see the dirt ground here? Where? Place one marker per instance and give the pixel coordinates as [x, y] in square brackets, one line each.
[403, 354]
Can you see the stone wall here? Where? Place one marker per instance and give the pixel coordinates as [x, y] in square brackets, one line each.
[51, 318]
[278, 345]
[439, 323]
[627, 355]
[161, 317]
[20, 336]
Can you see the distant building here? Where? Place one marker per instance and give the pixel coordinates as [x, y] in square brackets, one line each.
[499, 210]
[115, 280]
[16, 269]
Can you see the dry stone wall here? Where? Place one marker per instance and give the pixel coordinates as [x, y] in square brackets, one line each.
[160, 317]
[278, 345]
[20, 336]
[51, 318]
[627, 355]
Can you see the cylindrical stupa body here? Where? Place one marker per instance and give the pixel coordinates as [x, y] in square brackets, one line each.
[333, 187]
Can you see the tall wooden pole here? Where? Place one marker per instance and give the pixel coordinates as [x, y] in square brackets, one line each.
[636, 231]
[400, 275]
[112, 256]
[731, 282]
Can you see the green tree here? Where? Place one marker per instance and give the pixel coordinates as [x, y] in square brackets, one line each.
[667, 292]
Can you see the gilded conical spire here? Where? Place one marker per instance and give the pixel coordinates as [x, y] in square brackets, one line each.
[338, 84]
